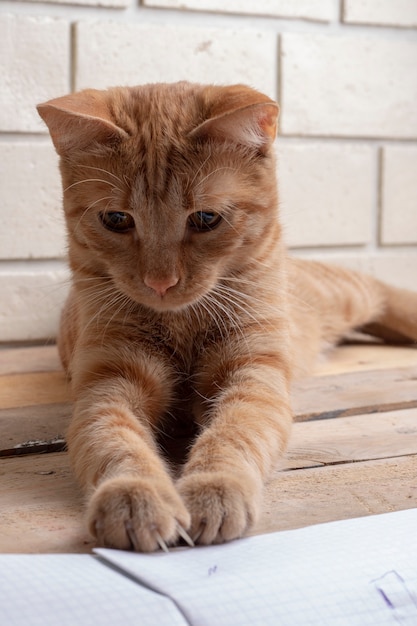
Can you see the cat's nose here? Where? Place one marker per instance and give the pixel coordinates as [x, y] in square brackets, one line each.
[161, 286]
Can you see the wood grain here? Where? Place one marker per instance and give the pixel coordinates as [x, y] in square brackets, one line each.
[25, 429]
[354, 358]
[354, 393]
[352, 439]
[29, 359]
[312, 496]
[353, 450]
[42, 509]
[19, 390]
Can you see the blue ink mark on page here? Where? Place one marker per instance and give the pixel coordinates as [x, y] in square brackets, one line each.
[398, 596]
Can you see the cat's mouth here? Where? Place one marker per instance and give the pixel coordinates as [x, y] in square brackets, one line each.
[174, 299]
[170, 295]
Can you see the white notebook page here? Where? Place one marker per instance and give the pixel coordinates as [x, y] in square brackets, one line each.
[356, 572]
[360, 572]
[76, 590]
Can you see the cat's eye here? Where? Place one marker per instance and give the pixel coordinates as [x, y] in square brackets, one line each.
[203, 221]
[117, 221]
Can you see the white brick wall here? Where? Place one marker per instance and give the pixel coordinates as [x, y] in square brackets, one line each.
[322, 10]
[391, 12]
[349, 86]
[34, 61]
[326, 192]
[31, 300]
[399, 194]
[31, 198]
[145, 53]
[343, 72]
[117, 4]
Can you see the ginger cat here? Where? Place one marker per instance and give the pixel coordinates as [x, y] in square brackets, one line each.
[185, 307]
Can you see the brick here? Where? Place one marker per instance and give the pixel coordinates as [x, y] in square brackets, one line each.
[32, 298]
[348, 86]
[116, 4]
[382, 12]
[399, 269]
[326, 192]
[322, 10]
[31, 199]
[34, 66]
[399, 195]
[134, 54]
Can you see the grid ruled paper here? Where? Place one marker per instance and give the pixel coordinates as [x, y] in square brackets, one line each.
[76, 590]
[359, 572]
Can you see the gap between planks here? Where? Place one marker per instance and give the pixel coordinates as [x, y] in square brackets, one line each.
[42, 508]
[35, 406]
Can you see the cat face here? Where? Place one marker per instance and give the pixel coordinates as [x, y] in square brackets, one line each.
[167, 188]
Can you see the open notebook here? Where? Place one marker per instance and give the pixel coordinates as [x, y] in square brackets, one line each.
[352, 573]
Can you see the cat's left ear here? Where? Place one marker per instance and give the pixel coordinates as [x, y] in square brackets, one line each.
[253, 125]
[79, 119]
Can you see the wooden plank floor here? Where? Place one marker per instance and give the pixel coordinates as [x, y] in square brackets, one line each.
[353, 451]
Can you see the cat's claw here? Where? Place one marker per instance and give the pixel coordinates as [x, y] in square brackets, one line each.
[161, 542]
[132, 537]
[135, 545]
[183, 533]
[137, 513]
[223, 506]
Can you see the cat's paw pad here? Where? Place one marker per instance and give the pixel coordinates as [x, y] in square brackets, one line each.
[136, 513]
[222, 506]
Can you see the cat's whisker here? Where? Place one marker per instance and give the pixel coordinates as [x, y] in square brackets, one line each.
[90, 206]
[229, 315]
[267, 265]
[246, 299]
[234, 301]
[130, 309]
[199, 169]
[234, 321]
[230, 223]
[219, 169]
[222, 306]
[91, 180]
[120, 301]
[101, 296]
[240, 280]
[197, 310]
[100, 169]
[207, 303]
[193, 310]
[85, 279]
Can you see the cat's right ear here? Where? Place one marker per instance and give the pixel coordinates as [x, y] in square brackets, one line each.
[79, 119]
[241, 115]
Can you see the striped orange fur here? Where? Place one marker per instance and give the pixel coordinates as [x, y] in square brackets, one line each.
[185, 307]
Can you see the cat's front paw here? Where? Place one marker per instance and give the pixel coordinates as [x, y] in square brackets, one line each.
[223, 506]
[136, 513]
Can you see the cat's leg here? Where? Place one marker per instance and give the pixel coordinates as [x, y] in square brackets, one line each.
[132, 500]
[249, 420]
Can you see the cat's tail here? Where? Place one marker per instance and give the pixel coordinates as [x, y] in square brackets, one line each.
[339, 300]
[397, 321]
